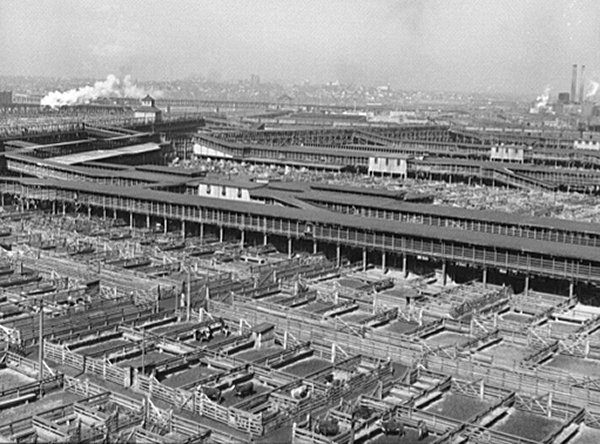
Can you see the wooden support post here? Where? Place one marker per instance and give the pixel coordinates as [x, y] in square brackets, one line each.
[182, 304]
[484, 278]
[404, 266]
[364, 260]
[290, 251]
[527, 285]
[148, 221]
[587, 348]
[89, 211]
[338, 255]
[444, 273]
[265, 239]
[242, 238]
[383, 262]
[104, 213]
[64, 208]
[221, 234]
[165, 225]
[201, 231]
[183, 229]
[315, 247]
[571, 289]
[131, 220]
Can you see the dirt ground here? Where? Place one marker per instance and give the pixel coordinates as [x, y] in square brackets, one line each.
[457, 406]
[10, 378]
[48, 402]
[527, 425]
[448, 338]
[306, 367]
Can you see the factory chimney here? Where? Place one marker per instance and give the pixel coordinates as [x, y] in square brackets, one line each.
[574, 84]
[581, 83]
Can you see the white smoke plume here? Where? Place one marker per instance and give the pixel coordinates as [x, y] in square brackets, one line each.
[542, 101]
[592, 89]
[111, 87]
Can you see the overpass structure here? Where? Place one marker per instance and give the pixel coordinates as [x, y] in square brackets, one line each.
[421, 140]
[431, 156]
[555, 249]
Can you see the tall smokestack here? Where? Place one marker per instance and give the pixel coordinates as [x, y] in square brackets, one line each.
[581, 83]
[574, 84]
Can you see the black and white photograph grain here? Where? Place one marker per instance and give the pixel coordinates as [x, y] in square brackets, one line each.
[300, 222]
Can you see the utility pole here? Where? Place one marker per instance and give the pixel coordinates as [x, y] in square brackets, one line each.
[143, 349]
[189, 297]
[41, 340]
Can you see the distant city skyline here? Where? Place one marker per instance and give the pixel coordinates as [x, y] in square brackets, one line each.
[499, 46]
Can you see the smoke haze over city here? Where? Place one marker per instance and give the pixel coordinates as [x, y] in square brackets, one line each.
[454, 45]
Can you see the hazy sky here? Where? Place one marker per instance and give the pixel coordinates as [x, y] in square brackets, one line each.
[467, 45]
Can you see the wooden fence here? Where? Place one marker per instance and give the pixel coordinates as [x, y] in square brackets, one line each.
[199, 403]
[153, 414]
[531, 382]
[98, 367]
[378, 345]
[26, 366]
[38, 388]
